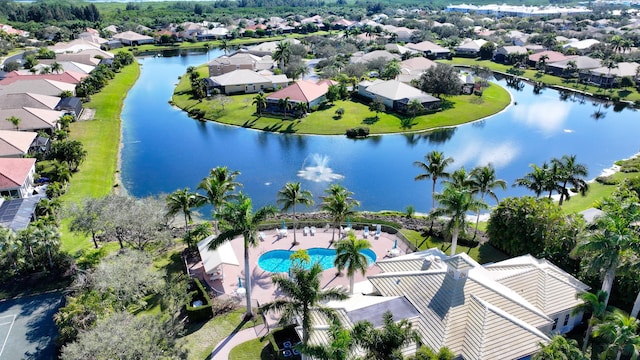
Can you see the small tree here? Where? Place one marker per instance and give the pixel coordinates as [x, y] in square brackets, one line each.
[15, 121]
[376, 106]
[440, 80]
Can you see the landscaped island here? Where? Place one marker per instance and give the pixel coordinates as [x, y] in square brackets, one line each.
[240, 110]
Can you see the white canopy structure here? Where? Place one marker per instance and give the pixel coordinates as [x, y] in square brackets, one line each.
[213, 259]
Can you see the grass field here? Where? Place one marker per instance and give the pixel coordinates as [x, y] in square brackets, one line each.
[101, 139]
[240, 112]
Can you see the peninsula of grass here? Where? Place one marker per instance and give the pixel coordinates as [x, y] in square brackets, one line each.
[240, 112]
[101, 139]
[627, 94]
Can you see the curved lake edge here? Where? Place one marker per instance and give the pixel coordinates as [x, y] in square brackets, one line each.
[503, 95]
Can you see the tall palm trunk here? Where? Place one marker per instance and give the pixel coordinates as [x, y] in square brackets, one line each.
[351, 281]
[564, 187]
[186, 225]
[454, 240]
[93, 237]
[295, 241]
[636, 307]
[587, 336]
[306, 324]
[607, 282]
[247, 280]
[475, 233]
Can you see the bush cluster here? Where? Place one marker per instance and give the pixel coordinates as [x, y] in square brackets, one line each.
[358, 132]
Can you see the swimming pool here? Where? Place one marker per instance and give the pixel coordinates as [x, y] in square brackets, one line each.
[278, 260]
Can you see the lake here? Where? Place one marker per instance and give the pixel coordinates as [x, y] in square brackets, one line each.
[164, 150]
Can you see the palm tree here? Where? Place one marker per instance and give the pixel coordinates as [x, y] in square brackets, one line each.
[604, 248]
[239, 219]
[620, 333]
[282, 53]
[224, 46]
[384, 343]
[219, 187]
[434, 168]
[483, 181]
[260, 101]
[595, 304]
[10, 246]
[560, 349]
[539, 180]
[301, 108]
[454, 203]
[339, 204]
[414, 107]
[47, 237]
[183, 201]
[349, 256]
[340, 345]
[56, 67]
[285, 104]
[291, 195]
[15, 121]
[459, 179]
[571, 173]
[302, 294]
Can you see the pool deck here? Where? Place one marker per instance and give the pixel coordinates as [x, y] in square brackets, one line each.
[262, 289]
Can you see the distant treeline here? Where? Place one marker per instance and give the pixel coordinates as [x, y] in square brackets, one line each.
[47, 11]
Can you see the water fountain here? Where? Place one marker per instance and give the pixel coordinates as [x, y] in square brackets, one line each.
[318, 171]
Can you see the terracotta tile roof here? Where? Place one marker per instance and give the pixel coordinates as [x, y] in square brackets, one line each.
[553, 56]
[14, 171]
[66, 77]
[15, 142]
[302, 91]
[417, 63]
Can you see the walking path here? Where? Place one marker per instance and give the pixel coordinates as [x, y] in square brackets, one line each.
[222, 349]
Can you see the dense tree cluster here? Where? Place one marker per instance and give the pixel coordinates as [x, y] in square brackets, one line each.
[43, 12]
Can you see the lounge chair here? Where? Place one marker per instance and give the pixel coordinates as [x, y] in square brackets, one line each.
[378, 230]
[366, 232]
[305, 231]
[262, 236]
[313, 231]
[284, 232]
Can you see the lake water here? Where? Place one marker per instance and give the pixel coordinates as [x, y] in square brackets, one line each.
[164, 150]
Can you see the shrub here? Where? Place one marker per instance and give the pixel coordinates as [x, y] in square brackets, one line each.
[199, 313]
[607, 180]
[358, 132]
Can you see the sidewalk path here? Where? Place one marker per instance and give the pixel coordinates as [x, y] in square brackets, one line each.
[222, 349]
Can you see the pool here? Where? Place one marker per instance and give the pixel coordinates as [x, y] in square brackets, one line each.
[278, 260]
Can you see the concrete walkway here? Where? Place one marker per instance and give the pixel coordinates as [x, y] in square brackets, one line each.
[222, 349]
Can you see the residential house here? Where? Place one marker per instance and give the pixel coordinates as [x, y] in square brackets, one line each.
[582, 47]
[16, 177]
[472, 309]
[342, 24]
[212, 34]
[132, 38]
[42, 86]
[239, 60]
[396, 95]
[362, 57]
[583, 65]
[245, 81]
[16, 144]
[607, 77]
[17, 214]
[268, 48]
[307, 92]
[70, 105]
[19, 100]
[469, 47]
[412, 68]
[13, 31]
[65, 77]
[504, 52]
[74, 46]
[534, 48]
[397, 48]
[31, 119]
[401, 33]
[551, 57]
[430, 50]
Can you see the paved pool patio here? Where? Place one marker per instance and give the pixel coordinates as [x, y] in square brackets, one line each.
[262, 289]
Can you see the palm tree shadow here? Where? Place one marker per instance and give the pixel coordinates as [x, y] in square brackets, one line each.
[370, 120]
[261, 278]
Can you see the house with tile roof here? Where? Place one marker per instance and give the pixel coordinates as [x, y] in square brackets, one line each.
[244, 81]
[430, 49]
[39, 86]
[552, 56]
[16, 144]
[583, 65]
[469, 47]
[362, 57]
[412, 68]
[499, 311]
[239, 60]
[307, 92]
[31, 119]
[19, 100]
[396, 95]
[16, 177]
[503, 52]
[132, 38]
[607, 77]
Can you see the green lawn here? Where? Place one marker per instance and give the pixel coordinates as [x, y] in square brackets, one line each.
[240, 112]
[624, 94]
[101, 139]
[259, 348]
[200, 338]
